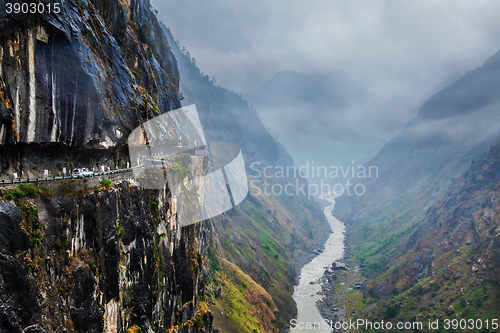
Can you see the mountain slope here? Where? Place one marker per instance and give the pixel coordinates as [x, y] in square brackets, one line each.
[452, 260]
[96, 254]
[475, 90]
[267, 237]
[416, 168]
[410, 224]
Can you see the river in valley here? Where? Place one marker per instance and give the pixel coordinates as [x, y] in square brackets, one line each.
[305, 294]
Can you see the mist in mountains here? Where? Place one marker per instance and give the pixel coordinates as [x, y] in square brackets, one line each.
[335, 81]
[320, 118]
[432, 215]
[330, 119]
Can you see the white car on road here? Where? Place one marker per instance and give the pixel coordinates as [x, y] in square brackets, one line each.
[81, 173]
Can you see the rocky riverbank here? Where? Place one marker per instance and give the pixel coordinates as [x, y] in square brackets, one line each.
[303, 258]
[329, 307]
[341, 286]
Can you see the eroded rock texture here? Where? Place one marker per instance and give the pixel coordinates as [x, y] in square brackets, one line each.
[73, 85]
[86, 76]
[109, 259]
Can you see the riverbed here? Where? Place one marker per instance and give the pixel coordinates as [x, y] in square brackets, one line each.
[305, 294]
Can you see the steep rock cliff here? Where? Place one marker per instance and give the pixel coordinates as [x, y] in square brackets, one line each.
[86, 258]
[91, 255]
[86, 76]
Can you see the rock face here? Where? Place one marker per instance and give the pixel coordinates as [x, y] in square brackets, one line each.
[74, 257]
[84, 77]
[106, 260]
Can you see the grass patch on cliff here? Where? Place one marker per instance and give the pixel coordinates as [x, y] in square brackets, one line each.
[106, 183]
[463, 298]
[28, 210]
[389, 234]
[29, 190]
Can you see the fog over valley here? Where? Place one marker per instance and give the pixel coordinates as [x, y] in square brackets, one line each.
[362, 68]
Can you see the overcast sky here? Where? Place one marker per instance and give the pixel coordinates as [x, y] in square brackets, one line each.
[400, 52]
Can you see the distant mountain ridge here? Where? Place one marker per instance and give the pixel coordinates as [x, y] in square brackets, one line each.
[475, 90]
[315, 116]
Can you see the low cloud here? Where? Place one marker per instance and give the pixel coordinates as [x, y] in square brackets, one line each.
[399, 52]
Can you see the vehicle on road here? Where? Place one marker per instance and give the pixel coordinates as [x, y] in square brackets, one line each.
[81, 173]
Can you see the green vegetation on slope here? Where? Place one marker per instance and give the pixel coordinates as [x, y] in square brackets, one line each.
[238, 303]
[449, 266]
